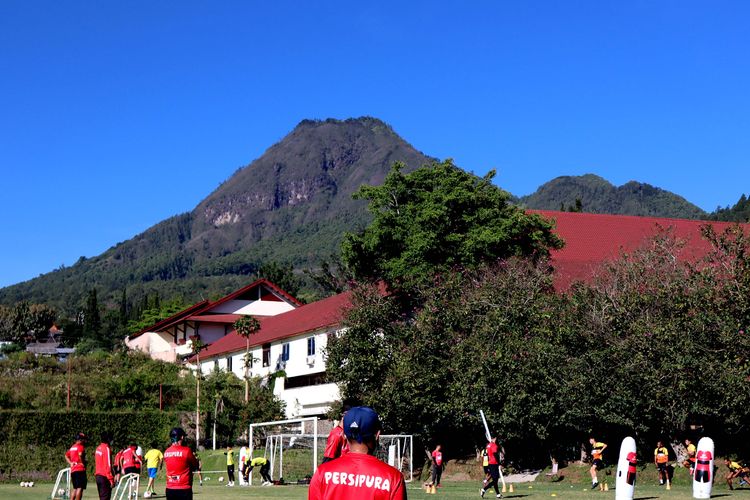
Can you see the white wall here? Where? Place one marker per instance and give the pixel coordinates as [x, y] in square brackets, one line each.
[254, 307]
[300, 401]
[157, 345]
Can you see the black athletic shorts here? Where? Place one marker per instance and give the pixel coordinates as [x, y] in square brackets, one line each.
[494, 471]
[78, 480]
[662, 467]
[486, 469]
[180, 494]
[131, 470]
[599, 464]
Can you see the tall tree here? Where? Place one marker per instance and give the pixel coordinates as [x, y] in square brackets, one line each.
[92, 322]
[246, 327]
[436, 218]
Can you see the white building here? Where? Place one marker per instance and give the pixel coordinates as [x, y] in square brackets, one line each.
[292, 342]
[170, 339]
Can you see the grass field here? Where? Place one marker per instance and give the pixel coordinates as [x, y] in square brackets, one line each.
[451, 490]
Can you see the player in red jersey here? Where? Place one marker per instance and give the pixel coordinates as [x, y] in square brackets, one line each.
[117, 465]
[358, 474]
[336, 444]
[105, 480]
[493, 462]
[130, 460]
[76, 458]
[180, 464]
[437, 466]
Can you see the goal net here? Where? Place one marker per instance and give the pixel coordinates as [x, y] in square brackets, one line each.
[293, 449]
[396, 450]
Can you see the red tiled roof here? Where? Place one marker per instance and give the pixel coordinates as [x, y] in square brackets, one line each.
[175, 318]
[308, 318]
[591, 239]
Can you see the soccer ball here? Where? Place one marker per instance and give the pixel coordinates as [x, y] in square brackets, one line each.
[146, 494]
[61, 492]
[221, 479]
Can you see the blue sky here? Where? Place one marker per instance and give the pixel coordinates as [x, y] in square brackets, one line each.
[116, 115]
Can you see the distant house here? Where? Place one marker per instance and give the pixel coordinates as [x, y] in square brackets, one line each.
[170, 339]
[51, 346]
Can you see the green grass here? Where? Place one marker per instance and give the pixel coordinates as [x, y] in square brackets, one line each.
[543, 490]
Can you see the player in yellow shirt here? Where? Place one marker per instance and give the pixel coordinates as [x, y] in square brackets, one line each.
[154, 462]
[597, 449]
[690, 461]
[661, 457]
[736, 470]
[265, 466]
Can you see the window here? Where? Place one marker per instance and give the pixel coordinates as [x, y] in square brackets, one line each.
[311, 346]
[229, 364]
[266, 354]
[285, 352]
[305, 380]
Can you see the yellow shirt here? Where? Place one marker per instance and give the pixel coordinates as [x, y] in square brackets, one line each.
[153, 457]
[733, 466]
[230, 457]
[258, 461]
[596, 450]
[691, 450]
[661, 455]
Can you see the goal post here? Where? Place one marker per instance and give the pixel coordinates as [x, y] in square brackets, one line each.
[397, 450]
[291, 447]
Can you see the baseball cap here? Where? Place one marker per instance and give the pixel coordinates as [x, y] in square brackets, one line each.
[360, 423]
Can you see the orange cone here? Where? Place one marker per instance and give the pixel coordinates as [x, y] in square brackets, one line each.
[511, 488]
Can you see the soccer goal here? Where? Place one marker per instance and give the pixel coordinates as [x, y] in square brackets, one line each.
[293, 448]
[397, 451]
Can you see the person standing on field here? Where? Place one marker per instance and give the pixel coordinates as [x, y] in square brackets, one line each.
[493, 464]
[103, 473]
[336, 444]
[661, 457]
[437, 466]
[597, 449]
[230, 465]
[76, 458]
[358, 474]
[154, 461]
[130, 460]
[690, 462]
[180, 464]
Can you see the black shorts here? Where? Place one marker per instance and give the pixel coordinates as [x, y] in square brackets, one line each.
[186, 494]
[662, 467]
[78, 480]
[131, 470]
[486, 469]
[599, 464]
[494, 471]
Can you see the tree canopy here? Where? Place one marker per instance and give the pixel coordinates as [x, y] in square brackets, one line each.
[436, 218]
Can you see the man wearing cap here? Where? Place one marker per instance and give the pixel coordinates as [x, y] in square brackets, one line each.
[180, 464]
[76, 458]
[358, 474]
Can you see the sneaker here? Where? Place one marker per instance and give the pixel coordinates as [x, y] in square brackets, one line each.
[481, 492]
[499, 495]
[594, 485]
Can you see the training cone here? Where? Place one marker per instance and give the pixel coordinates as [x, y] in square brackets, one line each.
[601, 486]
[669, 485]
[504, 489]
[433, 490]
[606, 487]
[511, 488]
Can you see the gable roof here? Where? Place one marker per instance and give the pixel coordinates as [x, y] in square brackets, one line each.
[308, 318]
[592, 239]
[196, 312]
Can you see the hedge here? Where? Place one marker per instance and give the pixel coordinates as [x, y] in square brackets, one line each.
[33, 443]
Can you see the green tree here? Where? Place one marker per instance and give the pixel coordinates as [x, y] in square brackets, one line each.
[436, 218]
[24, 322]
[245, 327]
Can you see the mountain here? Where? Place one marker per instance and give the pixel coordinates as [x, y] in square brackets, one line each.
[597, 195]
[291, 205]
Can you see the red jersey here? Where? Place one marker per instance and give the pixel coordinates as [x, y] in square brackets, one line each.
[336, 444]
[77, 455]
[180, 464]
[356, 475]
[118, 459]
[129, 458]
[492, 453]
[437, 457]
[103, 458]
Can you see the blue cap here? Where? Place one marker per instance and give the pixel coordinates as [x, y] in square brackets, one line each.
[361, 423]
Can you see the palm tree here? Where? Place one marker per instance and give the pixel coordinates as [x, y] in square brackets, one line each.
[247, 326]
